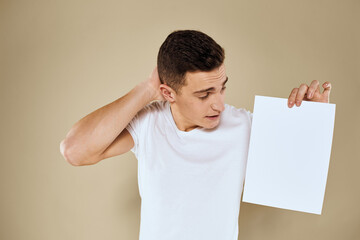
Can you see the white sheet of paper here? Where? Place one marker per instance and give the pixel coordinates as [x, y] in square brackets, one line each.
[289, 154]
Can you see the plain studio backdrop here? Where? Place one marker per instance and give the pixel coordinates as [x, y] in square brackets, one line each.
[61, 60]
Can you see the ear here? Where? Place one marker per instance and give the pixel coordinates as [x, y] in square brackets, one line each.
[167, 92]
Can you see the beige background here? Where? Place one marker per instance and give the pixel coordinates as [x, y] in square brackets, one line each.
[61, 60]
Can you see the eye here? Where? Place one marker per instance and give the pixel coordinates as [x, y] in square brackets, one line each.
[204, 97]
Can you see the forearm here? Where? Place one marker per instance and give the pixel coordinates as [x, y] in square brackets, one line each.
[92, 134]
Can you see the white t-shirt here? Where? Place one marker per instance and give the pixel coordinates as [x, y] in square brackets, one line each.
[190, 183]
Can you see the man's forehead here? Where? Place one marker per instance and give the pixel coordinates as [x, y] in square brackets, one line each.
[199, 80]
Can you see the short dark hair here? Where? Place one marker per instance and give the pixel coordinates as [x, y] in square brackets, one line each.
[187, 51]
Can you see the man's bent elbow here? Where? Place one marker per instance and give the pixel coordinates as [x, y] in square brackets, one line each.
[74, 160]
[65, 153]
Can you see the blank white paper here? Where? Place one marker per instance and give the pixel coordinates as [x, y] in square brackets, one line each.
[289, 154]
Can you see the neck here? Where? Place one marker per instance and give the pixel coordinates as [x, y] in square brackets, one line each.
[179, 120]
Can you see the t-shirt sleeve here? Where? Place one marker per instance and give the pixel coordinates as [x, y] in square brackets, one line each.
[250, 114]
[139, 126]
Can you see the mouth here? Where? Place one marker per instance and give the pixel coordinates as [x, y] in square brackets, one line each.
[213, 117]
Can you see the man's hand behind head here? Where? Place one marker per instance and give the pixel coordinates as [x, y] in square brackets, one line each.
[153, 82]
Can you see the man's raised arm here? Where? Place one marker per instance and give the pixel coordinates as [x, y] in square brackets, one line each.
[93, 134]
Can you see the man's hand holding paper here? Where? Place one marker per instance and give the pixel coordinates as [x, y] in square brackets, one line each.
[312, 93]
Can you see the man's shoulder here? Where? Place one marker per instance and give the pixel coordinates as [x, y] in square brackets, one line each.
[235, 111]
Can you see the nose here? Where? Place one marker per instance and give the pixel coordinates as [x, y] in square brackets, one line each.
[218, 105]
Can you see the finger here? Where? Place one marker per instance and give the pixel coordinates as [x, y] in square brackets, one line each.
[313, 86]
[301, 93]
[327, 90]
[291, 99]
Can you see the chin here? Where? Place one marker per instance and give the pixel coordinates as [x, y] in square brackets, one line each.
[212, 126]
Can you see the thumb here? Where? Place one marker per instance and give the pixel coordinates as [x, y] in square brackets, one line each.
[153, 72]
[327, 89]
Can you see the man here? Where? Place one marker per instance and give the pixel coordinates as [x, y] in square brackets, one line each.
[191, 146]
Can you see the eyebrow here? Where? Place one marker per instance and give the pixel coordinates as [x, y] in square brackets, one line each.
[210, 89]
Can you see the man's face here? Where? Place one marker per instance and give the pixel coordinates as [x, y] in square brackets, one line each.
[202, 97]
